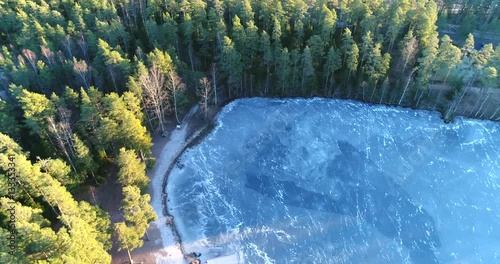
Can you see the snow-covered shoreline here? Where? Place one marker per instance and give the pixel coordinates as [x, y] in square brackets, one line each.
[171, 251]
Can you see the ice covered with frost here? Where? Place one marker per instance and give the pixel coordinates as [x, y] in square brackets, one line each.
[330, 181]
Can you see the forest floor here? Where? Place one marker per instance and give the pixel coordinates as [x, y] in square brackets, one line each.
[473, 100]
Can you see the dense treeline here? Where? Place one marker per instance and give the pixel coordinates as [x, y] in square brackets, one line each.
[471, 15]
[380, 51]
[84, 83]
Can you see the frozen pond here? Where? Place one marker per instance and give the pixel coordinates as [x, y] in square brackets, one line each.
[330, 181]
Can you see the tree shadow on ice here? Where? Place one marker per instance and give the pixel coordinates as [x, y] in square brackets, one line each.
[365, 192]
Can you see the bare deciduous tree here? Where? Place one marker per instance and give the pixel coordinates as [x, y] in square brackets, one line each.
[82, 43]
[32, 59]
[204, 92]
[67, 44]
[155, 94]
[48, 54]
[215, 76]
[176, 88]
[82, 70]
[62, 132]
[408, 53]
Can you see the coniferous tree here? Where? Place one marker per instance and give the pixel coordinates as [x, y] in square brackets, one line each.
[85, 162]
[366, 47]
[317, 48]
[350, 51]
[90, 117]
[447, 58]
[113, 63]
[307, 79]
[267, 58]
[231, 63]
[128, 59]
[128, 238]
[122, 126]
[8, 120]
[409, 50]
[35, 239]
[426, 67]
[333, 63]
[131, 170]
[37, 109]
[328, 23]
[136, 209]
[468, 48]
[283, 69]
[84, 242]
[376, 66]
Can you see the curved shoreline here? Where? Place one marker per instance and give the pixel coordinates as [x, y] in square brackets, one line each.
[441, 114]
[198, 135]
[191, 141]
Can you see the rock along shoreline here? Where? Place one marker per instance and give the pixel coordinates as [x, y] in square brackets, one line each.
[192, 140]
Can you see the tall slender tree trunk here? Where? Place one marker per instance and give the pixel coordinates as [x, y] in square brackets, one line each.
[142, 156]
[177, 46]
[482, 95]
[494, 114]
[441, 90]
[482, 104]
[486, 108]
[93, 195]
[148, 117]
[213, 71]
[406, 61]
[244, 84]
[383, 93]
[373, 92]
[326, 81]
[111, 73]
[454, 107]
[70, 160]
[302, 82]
[420, 98]
[363, 91]
[406, 87]
[190, 51]
[50, 204]
[26, 191]
[283, 85]
[267, 79]
[332, 79]
[251, 85]
[393, 98]
[391, 44]
[129, 256]
[93, 176]
[175, 107]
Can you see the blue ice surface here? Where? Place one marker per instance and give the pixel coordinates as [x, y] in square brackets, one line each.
[334, 181]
